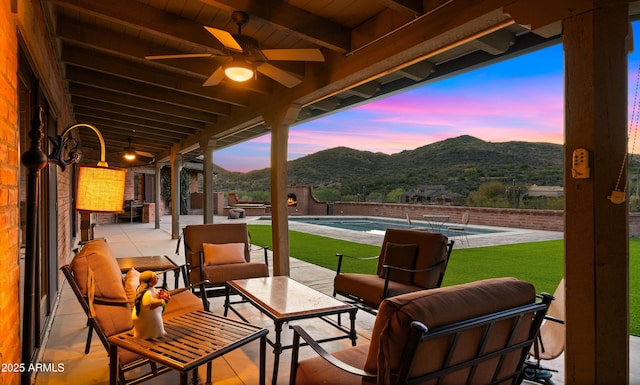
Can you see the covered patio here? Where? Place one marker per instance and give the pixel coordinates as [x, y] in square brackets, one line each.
[65, 343]
[93, 62]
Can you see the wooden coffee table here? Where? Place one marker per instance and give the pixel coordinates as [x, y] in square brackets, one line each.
[283, 300]
[192, 339]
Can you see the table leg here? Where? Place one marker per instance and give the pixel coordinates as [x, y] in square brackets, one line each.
[195, 377]
[113, 365]
[263, 359]
[352, 333]
[277, 350]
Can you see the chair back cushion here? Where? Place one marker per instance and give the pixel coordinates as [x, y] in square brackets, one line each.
[431, 249]
[95, 268]
[436, 308]
[400, 255]
[216, 233]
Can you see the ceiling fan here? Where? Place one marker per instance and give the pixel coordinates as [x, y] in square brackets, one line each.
[242, 56]
[130, 154]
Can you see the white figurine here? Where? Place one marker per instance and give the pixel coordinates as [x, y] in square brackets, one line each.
[149, 305]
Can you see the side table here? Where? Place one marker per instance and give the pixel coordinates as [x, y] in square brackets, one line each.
[153, 263]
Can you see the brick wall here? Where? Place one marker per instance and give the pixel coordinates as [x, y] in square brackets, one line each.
[552, 220]
[24, 18]
[9, 178]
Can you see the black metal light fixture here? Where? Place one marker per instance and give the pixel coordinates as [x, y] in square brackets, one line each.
[100, 189]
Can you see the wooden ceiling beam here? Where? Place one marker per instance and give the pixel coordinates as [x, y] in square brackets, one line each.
[129, 87]
[148, 19]
[118, 137]
[128, 128]
[161, 128]
[81, 34]
[495, 43]
[418, 71]
[153, 106]
[305, 25]
[136, 112]
[100, 62]
[113, 43]
[411, 8]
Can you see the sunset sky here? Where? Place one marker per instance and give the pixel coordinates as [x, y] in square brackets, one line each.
[518, 99]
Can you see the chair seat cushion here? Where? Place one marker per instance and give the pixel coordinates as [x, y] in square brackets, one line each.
[182, 303]
[316, 370]
[113, 318]
[219, 274]
[369, 287]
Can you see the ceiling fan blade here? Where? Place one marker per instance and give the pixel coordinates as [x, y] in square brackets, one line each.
[144, 153]
[306, 54]
[225, 38]
[215, 78]
[178, 56]
[281, 76]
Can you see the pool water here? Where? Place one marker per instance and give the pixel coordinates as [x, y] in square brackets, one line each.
[379, 225]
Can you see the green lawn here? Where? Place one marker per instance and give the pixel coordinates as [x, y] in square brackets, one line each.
[540, 263]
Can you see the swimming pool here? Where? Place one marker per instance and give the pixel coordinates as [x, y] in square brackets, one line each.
[379, 225]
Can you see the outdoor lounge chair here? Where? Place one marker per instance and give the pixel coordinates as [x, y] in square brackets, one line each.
[461, 228]
[96, 280]
[550, 342]
[218, 253]
[410, 260]
[476, 334]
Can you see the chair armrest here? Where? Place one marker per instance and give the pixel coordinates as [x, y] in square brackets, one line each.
[387, 268]
[340, 257]
[554, 319]
[192, 286]
[104, 301]
[300, 332]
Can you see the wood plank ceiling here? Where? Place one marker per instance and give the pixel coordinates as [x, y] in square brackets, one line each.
[371, 48]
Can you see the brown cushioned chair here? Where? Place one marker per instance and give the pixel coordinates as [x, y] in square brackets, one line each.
[96, 280]
[477, 333]
[410, 260]
[217, 274]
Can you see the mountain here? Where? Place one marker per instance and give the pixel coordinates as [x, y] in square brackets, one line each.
[461, 164]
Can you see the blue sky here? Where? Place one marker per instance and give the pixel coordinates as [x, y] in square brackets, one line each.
[518, 99]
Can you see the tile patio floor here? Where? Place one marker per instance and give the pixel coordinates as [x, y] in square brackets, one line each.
[65, 341]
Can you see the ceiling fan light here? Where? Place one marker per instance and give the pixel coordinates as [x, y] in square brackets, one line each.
[238, 71]
[129, 156]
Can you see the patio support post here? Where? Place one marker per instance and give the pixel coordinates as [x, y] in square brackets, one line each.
[279, 122]
[596, 227]
[176, 167]
[158, 186]
[208, 145]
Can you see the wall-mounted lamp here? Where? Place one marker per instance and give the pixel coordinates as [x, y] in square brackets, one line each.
[100, 189]
[238, 71]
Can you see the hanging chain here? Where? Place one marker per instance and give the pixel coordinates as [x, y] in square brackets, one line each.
[632, 126]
